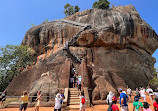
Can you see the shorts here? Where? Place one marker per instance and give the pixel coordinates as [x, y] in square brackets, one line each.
[38, 103]
[23, 106]
[124, 108]
[144, 97]
[82, 106]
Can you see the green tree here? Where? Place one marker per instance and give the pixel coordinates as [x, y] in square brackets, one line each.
[12, 60]
[70, 10]
[101, 4]
[77, 9]
[154, 81]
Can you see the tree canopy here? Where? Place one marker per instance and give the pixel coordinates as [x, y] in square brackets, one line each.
[101, 4]
[70, 10]
[12, 60]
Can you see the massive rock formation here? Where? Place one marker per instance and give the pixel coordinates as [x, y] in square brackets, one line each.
[117, 44]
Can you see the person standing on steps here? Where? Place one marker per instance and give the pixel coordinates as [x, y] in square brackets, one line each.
[58, 102]
[3, 98]
[79, 86]
[123, 100]
[74, 82]
[38, 99]
[71, 82]
[24, 99]
[80, 78]
[82, 102]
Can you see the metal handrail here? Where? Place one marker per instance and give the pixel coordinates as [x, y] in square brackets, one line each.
[29, 96]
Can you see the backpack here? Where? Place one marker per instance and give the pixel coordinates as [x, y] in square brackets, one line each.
[83, 100]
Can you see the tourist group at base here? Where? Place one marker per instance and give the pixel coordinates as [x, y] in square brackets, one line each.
[124, 98]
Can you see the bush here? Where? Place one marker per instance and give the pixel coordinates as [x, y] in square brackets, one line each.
[101, 4]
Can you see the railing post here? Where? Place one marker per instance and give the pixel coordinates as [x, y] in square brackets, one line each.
[86, 94]
[66, 94]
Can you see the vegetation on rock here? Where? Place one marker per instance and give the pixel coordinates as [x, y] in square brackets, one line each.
[101, 4]
[154, 81]
[70, 10]
[12, 60]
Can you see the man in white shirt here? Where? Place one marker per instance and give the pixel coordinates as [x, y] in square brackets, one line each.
[58, 102]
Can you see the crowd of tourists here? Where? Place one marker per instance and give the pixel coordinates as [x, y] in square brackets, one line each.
[126, 96]
[123, 98]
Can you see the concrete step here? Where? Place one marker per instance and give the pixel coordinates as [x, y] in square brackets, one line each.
[74, 97]
[73, 89]
[74, 107]
[74, 100]
[74, 103]
[73, 93]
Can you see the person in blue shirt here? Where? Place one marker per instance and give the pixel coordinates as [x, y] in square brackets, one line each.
[123, 100]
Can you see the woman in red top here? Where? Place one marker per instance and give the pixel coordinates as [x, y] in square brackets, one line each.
[114, 106]
[155, 104]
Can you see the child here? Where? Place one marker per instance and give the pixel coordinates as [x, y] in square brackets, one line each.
[137, 105]
[146, 107]
[114, 106]
[24, 99]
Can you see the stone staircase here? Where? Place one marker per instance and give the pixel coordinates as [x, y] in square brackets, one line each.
[73, 100]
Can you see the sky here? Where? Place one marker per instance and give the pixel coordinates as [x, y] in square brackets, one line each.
[16, 16]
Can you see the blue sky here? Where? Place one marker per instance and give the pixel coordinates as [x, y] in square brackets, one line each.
[16, 16]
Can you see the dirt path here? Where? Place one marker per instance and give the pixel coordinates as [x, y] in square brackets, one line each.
[95, 108]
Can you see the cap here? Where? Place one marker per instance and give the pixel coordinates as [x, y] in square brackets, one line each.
[136, 98]
[114, 99]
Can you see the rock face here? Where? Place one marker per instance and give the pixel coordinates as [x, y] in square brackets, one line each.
[117, 44]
